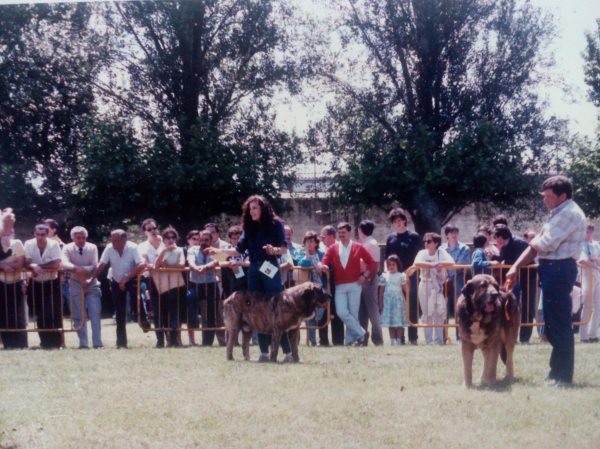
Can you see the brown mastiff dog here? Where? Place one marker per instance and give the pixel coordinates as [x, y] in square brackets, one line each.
[488, 319]
[271, 313]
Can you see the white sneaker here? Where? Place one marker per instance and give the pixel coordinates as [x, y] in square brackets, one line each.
[263, 357]
[288, 358]
[398, 342]
[393, 342]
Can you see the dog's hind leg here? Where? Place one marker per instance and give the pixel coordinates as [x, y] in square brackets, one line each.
[246, 337]
[275, 340]
[294, 335]
[467, 355]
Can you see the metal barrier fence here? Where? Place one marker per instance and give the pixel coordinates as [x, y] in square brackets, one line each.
[23, 294]
[174, 297]
[436, 294]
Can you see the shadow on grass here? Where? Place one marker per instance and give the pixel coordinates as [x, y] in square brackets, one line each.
[501, 386]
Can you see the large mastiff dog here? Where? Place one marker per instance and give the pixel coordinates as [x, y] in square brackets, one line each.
[488, 319]
[271, 313]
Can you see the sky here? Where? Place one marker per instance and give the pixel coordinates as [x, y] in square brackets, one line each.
[572, 18]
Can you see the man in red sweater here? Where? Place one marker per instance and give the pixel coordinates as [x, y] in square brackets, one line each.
[345, 257]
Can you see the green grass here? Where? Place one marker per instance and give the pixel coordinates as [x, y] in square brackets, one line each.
[337, 397]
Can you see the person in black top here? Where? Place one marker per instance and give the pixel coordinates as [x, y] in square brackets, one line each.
[405, 244]
[511, 250]
[264, 239]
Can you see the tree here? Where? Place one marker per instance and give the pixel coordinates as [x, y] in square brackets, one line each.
[200, 78]
[591, 70]
[436, 106]
[48, 56]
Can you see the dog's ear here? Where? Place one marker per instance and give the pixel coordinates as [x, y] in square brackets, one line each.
[309, 295]
[468, 289]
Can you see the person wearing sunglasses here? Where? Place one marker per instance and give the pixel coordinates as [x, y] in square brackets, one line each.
[170, 285]
[432, 261]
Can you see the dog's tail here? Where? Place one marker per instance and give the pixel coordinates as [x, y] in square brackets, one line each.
[503, 354]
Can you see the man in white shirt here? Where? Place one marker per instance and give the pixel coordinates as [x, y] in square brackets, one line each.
[81, 257]
[558, 245]
[369, 304]
[126, 263]
[590, 286]
[44, 297]
[149, 250]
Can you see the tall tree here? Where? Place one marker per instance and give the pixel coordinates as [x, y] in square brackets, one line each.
[436, 106]
[200, 78]
[48, 57]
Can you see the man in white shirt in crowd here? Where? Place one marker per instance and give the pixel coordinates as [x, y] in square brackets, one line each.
[369, 304]
[149, 251]
[590, 286]
[81, 257]
[126, 263]
[43, 253]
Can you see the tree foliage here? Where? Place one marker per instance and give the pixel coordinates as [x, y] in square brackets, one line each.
[48, 57]
[591, 57]
[200, 77]
[436, 105]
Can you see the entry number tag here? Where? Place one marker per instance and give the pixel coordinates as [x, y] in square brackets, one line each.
[239, 274]
[269, 269]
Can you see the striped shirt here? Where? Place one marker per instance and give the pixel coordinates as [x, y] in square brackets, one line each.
[562, 237]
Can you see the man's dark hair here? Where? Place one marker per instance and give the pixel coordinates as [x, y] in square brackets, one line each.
[148, 221]
[192, 233]
[344, 225]
[367, 227]
[590, 226]
[559, 184]
[479, 240]
[397, 213]
[450, 228]
[212, 225]
[51, 223]
[500, 219]
[502, 231]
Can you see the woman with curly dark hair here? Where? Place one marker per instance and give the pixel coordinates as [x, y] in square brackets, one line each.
[264, 239]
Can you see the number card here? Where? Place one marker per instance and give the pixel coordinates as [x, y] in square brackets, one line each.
[268, 269]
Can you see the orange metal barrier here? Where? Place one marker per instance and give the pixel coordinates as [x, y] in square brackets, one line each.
[22, 295]
[437, 297]
[171, 297]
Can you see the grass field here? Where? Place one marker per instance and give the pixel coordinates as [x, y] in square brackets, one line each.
[337, 397]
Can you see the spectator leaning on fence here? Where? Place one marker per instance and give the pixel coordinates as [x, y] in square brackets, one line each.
[12, 306]
[511, 248]
[126, 263]
[479, 260]
[559, 245]
[171, 285]
[203, 287]
[432, 261]
[42, 253]
[460, 253]
[149, 251]
[590, 286]
[81, 257]
[345, 257]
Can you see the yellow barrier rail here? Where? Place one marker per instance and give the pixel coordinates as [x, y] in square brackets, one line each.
[171, 298]
[436, 298]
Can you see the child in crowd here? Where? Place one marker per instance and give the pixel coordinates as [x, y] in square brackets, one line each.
[478, 259]
[392, 303]
[310, 256]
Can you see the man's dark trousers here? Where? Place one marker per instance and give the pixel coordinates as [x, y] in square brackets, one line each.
[558, 278]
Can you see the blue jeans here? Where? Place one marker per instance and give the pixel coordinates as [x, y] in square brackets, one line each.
[347, 304]
[558, 278]
[93, 310]
[259, 282]
[312, 333]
